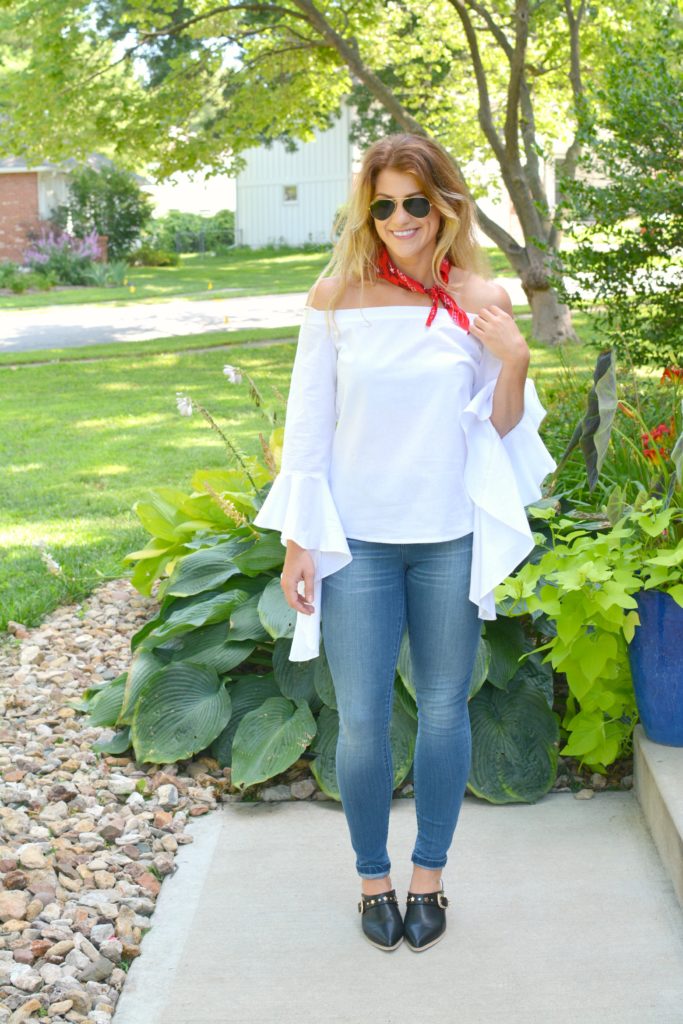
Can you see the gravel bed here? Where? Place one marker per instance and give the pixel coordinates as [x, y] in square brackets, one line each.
[86, 839]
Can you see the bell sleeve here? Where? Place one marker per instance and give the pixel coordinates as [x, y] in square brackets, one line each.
[299, 503]
[502, 476]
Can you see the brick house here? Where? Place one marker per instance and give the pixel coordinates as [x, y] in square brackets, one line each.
[30, 194]
[27, 196]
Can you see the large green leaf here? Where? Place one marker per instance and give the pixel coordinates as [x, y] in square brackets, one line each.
[270, 739]
[404, 665]
[297, 679]
[539, 675]
[105, 706]
[118, 744]
[597, 423]
[245, 622]
[143, 667]
[481, 666]
[322, 678]
[211, 645]
[206, 569]
[180, 711]
[202, 611]
[277, 618]
[324, 766]
[267, 553]
[405, 699]
[402, 735]
[507, 642]
[247, 693]
[514, 743]
[161, 513]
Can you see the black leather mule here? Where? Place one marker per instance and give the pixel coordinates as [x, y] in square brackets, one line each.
[381, 919]
[425, 919]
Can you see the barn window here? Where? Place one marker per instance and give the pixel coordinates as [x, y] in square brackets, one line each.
[289, 193]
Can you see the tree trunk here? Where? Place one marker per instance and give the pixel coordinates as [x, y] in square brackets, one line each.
[551, 321]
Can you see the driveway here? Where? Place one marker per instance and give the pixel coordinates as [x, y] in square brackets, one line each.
[26, 330]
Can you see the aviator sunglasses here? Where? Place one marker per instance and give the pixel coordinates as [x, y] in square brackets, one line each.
[416, 206]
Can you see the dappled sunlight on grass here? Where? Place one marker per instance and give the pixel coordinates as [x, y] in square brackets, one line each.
[30, 467]
[116, 422]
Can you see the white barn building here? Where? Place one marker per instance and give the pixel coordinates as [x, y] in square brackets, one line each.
[291, 198]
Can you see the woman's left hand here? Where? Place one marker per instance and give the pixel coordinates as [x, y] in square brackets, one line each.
[498, 332]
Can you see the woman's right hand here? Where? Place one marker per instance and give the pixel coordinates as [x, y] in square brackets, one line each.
[298, 566]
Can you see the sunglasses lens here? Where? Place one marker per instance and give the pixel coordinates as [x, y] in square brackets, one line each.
[382, 209]
[417, 206]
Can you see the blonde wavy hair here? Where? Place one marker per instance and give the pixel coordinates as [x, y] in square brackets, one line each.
[358, 245]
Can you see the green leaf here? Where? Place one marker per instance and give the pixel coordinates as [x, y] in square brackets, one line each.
[105, 707]
[506, 639]
[119, 743]
[514, 738]
[180, 711]
[324, 766]
[247, 693]
[245, 622]
[481, 666]
[276, 616]
[206, 569]
[677, 455]
[296, 679]
[597, 423]
[267, 553]
[402, 736]
[143, 666]
[404, 697]
[200, 612]
[269, 740]
[211, 645]
[404, 665]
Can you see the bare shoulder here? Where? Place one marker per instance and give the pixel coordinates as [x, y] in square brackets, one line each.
[477, 292]
[320, 295]
[352, 296]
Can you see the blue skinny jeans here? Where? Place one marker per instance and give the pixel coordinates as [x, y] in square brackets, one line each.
[365, 608]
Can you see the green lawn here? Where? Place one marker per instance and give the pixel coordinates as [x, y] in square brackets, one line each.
[81, 441]
[241, 272]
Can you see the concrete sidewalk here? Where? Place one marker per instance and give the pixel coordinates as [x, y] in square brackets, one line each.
[26, 330]
[560, 913]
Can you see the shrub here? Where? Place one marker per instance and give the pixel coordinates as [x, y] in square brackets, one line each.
[58, 253]
[628, 228]
[145, 256]
[109, 202]
[20, 279]
[191, 232]
[108, 275]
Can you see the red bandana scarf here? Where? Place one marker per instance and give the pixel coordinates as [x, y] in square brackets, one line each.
[390, 272]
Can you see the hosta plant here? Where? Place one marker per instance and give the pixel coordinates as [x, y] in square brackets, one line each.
[211, 671]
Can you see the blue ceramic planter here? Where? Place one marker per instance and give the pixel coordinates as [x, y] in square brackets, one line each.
[656, 657]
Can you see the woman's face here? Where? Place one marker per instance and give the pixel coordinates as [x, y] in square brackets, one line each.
[403, 235]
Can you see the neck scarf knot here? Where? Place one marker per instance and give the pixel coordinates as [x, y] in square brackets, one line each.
[387, 269]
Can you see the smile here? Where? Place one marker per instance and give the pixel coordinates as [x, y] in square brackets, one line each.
[404, 234]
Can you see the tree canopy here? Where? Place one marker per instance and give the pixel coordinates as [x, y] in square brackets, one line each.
[188, 84]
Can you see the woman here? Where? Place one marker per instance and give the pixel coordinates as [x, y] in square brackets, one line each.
[411, 447]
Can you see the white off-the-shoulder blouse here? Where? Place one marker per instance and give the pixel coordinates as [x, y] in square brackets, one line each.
[388, 438]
